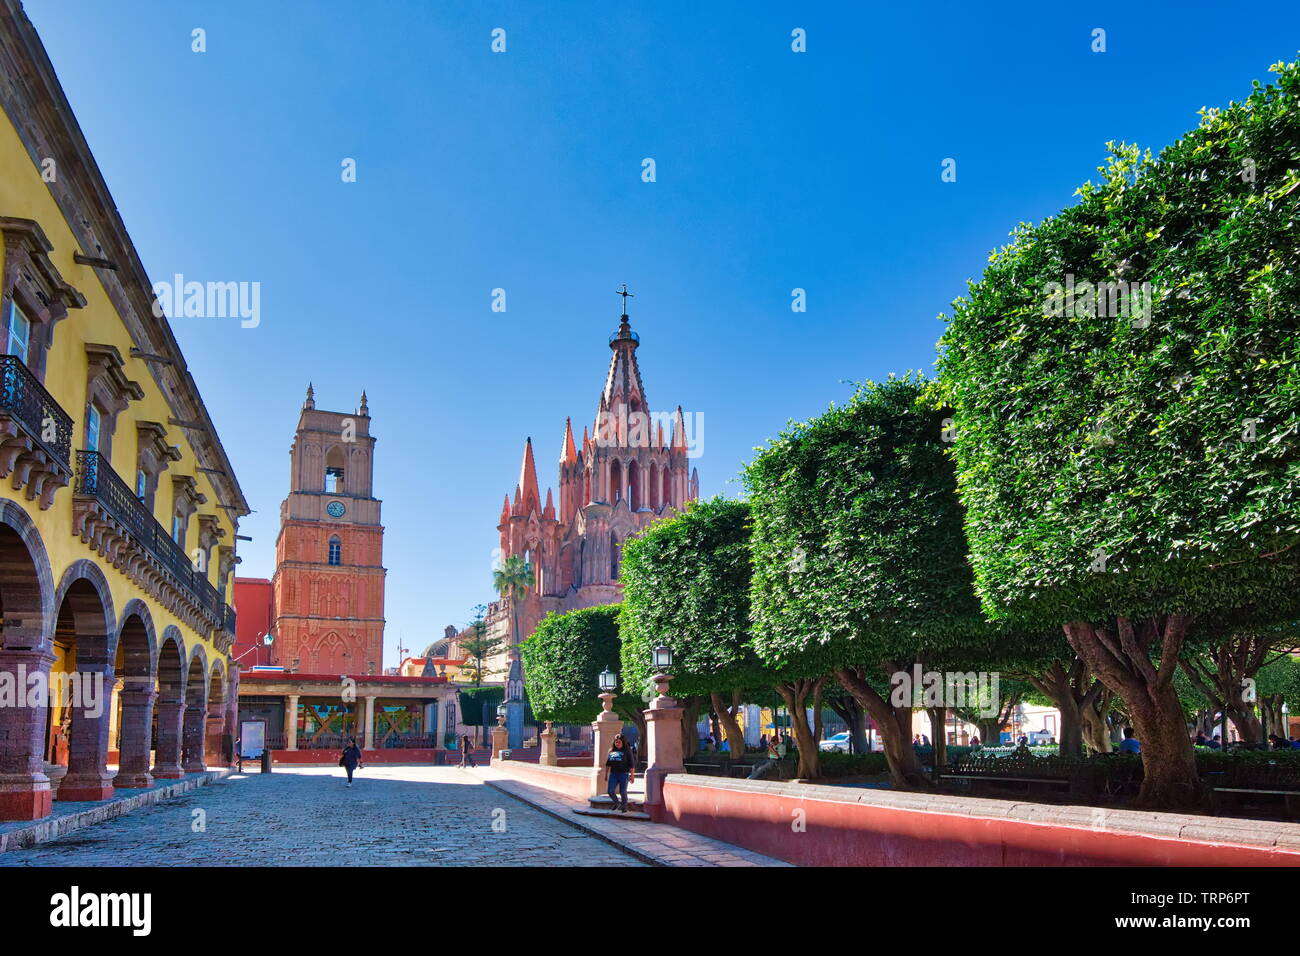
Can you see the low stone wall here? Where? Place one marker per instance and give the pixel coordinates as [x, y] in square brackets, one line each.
[849, 826]
[331, 757]
[574, 782]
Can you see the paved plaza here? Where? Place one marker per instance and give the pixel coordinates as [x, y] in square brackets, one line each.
[392, 816]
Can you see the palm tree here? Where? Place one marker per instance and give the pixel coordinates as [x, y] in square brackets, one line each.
[513, 580]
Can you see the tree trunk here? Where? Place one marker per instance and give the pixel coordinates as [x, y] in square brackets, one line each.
[795, 693]
[690, 736]
[730, 726]
[990, 732]
[939, 734]
[895, 726]
[1122, 659]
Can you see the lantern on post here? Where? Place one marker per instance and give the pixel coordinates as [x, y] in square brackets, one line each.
[608, 681]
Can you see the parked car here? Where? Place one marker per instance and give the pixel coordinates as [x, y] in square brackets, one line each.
[836, 744]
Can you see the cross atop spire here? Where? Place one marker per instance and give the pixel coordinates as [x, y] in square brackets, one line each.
[625, 294]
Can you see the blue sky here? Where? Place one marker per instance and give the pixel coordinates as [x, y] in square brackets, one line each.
[522, 171]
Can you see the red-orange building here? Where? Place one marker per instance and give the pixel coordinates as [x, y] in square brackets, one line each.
[324, 612]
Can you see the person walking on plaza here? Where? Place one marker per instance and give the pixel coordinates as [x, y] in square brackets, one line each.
[465, 759]
[622, 771]
[350, 759]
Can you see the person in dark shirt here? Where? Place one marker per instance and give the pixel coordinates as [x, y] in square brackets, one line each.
[622, 770]
[350, 759]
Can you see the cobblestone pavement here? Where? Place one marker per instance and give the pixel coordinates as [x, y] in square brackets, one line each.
[392, 816]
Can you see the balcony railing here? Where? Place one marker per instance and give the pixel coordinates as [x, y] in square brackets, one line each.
[22, 396]
[97, 479]
[229, 620]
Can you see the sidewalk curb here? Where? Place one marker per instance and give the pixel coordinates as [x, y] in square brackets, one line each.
[51, 828]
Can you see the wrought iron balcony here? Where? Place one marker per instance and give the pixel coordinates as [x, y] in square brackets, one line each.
[230, 620]
[111, 519]
[35, 433]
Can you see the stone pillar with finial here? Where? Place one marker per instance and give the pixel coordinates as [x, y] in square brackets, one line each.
[499, 735]
[549, 758]
[663, 744]
[604, 728]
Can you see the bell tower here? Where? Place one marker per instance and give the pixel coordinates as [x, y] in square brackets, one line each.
[329, 573]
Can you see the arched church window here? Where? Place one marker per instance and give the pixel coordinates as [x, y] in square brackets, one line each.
[634, 485]
[613, 556]
[615, 482]
[336, 550]
[334, 469]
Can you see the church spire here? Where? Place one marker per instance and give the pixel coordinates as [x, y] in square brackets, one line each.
[365, 408]
[530, 497]
[310, 401]
[569, 454]
[623, 383]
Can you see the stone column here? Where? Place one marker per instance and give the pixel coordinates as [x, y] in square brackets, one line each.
[88, 777]
[136, 729]
[167, 752]
[192, 733]
[664, 744]
[24, 787]
[499, 736]
[604, 728]
[291, 722]
[368, 737]
[548, 758]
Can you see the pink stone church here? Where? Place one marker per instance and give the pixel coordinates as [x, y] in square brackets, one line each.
[632, 467]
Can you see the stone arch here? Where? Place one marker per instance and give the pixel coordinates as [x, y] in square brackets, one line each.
[135, 664]
[27, 592]
[82, 580]
[335, 458]
[331, 654]
[171, 671]
[136, 644]
[196, 673]
[218, 684]
[171, 665]
[85, 638]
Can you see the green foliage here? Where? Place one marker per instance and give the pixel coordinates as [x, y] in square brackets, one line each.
[1092, 436]
[859, 555]
[686, 584]
[1282, 676]
[563, 659]
[833, 764]
[473, 699]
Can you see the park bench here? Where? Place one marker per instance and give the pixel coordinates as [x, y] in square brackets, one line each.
[1263, 782]
[1030, 774]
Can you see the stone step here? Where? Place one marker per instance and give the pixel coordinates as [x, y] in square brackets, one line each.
[605, 803]
[612, 814]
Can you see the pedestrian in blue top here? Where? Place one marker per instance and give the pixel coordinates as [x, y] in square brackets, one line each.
[1130, 744]
[619, 763]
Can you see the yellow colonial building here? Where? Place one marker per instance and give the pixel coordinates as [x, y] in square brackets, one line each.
[118, 506]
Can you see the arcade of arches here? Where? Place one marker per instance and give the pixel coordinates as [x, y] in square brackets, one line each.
[94, 698]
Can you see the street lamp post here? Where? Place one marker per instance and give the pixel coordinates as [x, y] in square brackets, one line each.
[603, 729]
[663, 732]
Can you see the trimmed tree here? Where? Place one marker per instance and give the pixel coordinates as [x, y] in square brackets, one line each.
[686, 584]
[859, 557]
[1124, 378]
[563, 659]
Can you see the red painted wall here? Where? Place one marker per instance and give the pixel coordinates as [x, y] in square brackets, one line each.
[859, 834]
[253, 614]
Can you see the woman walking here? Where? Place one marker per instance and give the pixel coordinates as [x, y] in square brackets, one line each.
[465, 759]
[350, 759]
[621, 772]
